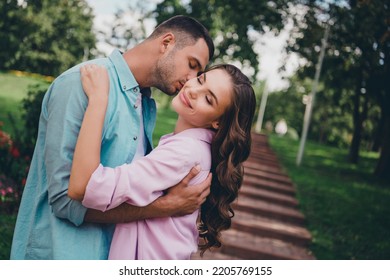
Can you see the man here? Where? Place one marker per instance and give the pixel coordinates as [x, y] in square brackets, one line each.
[52, 226]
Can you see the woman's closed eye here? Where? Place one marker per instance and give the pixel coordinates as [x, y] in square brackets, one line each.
[200, 79]
[209, 99]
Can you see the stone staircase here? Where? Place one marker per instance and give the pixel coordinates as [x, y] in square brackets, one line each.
[267, 223]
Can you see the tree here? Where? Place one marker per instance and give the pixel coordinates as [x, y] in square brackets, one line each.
[12, 23]
[56, 35]
[125, 33]
[356, 62]
[231, 23]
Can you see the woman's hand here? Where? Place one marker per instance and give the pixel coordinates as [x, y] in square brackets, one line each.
[95, 81]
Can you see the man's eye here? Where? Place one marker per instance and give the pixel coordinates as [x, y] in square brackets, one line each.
[208, 99]
[192, 65]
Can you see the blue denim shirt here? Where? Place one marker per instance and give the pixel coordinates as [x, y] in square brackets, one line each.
[49, 224]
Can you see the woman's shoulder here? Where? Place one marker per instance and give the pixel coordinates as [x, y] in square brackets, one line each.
[195, 134]
[191, 143]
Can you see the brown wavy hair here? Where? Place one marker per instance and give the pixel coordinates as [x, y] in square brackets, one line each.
[230, 148]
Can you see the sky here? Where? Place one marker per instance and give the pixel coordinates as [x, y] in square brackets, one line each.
[268, 46]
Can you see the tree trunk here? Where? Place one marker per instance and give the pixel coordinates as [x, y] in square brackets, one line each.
[378, 134]
[353, 156]
[383, 167]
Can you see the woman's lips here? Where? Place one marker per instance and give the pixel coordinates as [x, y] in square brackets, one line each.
[185, 100]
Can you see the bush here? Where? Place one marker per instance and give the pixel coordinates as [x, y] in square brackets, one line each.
[16, 153]
[12, 173]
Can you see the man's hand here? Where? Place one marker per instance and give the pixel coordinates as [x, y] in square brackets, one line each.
[181, 200]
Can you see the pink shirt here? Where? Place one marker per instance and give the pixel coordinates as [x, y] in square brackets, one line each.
[140, 183]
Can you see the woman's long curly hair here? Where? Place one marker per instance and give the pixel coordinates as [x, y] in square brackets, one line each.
[230, 148]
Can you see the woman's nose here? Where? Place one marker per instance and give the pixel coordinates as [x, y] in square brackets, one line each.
[193, 93]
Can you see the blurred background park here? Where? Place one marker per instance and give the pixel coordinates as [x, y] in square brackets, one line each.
[326, 110]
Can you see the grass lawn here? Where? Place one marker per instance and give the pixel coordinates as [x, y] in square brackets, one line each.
[13, 89]
[346, 208]
[166, 120]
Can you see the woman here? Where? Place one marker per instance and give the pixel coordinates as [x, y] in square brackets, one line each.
[213, 130]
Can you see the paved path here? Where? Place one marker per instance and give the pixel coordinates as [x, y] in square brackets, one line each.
[267, 224]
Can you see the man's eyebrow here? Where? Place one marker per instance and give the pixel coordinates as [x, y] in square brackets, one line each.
[212, 93]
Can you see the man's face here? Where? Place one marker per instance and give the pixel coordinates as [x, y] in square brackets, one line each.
[177, 66]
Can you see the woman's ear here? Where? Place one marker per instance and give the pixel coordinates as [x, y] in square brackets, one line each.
[215, 124]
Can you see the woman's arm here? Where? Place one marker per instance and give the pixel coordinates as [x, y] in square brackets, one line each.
[86, 157]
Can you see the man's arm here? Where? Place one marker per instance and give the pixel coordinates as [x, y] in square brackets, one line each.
[180, 200]
[63, 109]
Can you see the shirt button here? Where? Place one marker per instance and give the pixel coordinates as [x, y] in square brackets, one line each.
[135, 138]
[124, 87]
[135, 106]
[135, 90]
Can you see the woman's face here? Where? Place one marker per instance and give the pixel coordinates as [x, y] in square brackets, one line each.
[203, 100]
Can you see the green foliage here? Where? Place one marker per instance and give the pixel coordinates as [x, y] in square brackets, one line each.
[355, 68]
[7, 223]
[51, 35]
[166, 121]
[124, 34]
[16, 150]
[345, 206]
[13, 171]
[286, 105]
[12, 30]
[31, 112]
[13, 88]
[229, 23]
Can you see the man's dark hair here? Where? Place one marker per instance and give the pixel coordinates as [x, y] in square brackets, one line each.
[187, 31]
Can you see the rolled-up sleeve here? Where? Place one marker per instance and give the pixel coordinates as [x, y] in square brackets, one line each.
[145, 179]
[64, 111]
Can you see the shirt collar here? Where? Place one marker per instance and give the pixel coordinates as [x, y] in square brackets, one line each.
[202, 134]
[126, 78]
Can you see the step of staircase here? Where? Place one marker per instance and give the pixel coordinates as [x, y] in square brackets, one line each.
[244, 245]
[256, 164]
[269, 210]
[281, 178]
[271, 228]
[282, 188]
[264, 156]
[267, 195]
[264, 161]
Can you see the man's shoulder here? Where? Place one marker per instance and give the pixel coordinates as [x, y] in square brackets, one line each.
[74, 72]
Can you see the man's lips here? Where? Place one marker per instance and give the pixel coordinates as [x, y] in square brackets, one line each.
[181, 85]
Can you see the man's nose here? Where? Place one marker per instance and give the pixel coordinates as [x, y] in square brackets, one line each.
[192, 74]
